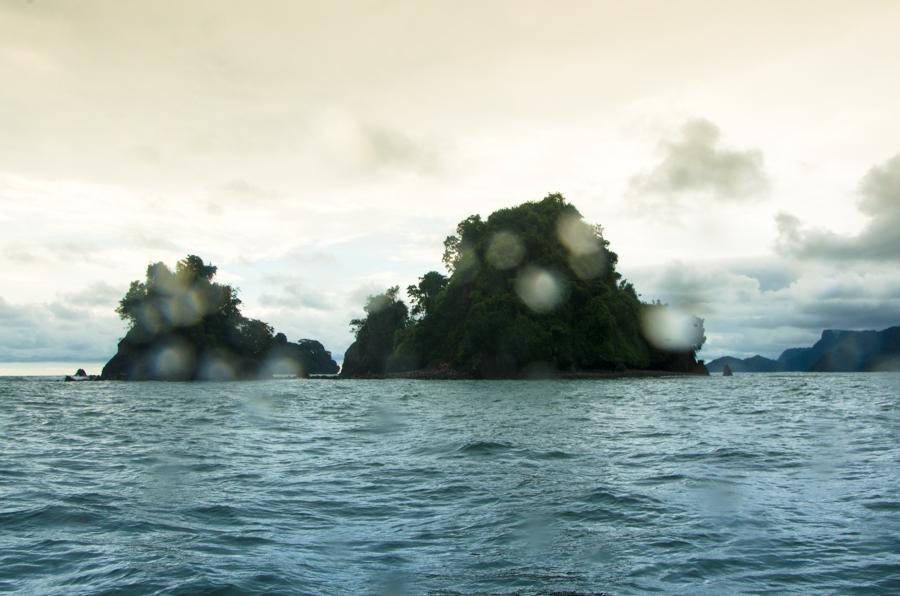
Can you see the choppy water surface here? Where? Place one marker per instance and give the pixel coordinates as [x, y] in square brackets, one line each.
[702, 485]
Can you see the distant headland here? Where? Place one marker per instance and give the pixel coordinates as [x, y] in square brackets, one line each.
[836, 351]
[532, 291]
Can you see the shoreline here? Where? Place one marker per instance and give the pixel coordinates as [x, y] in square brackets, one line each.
[431, 375]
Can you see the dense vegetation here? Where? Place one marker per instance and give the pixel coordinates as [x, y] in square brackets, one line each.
[183, 325]
[375, 334]
[530, 287]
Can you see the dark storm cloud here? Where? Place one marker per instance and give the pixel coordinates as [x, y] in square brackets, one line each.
[878, 241]
[696, 162]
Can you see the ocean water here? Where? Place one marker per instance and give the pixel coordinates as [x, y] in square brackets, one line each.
[747, 484]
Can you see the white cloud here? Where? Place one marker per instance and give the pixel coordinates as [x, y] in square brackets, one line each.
[879, 240]
[697, 164]
[304, 141]
[743, 318]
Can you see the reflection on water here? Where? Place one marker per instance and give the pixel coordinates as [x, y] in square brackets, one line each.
[695, 485]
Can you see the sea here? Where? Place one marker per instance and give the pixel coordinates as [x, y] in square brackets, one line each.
[751, 484]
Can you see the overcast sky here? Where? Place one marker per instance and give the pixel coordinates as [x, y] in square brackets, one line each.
[741, 156]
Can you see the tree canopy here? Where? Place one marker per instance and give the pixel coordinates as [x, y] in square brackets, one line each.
[184, 325]
[376, 334]
[532, 285]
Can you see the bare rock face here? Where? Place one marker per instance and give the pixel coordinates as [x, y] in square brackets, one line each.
[726, 371]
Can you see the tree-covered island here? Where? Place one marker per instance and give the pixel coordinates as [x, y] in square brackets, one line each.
[185, 326]
[531, 290]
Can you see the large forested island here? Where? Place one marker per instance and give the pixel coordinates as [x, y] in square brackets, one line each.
[531, 290]
[185, 326]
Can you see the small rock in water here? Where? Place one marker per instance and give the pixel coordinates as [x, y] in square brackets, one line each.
[81, 375]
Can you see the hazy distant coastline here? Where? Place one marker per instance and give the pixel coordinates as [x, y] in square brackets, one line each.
[836, 351]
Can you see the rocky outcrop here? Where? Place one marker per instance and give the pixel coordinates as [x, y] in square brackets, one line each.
[81, 375]
[307, 356]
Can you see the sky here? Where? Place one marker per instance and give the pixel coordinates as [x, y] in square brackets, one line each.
[742, 157]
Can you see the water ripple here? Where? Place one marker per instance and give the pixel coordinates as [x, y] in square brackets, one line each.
[770, 483]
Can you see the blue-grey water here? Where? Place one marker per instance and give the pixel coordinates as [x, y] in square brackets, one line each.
[748, 484]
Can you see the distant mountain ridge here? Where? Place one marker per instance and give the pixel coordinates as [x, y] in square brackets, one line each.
[754, 364]
[836, 351]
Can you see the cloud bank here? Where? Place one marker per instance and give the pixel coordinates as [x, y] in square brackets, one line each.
[317, 154]
[696, 163]
[78, 327]
[879, 240]
[744, 318]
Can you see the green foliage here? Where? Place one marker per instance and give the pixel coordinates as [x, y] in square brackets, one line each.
[532, 285]
[200, 319]
[458, 248]
[424, 295]
[376, 334]
[167, 300]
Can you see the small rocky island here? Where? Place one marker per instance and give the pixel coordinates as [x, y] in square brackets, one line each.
[81, 375]
[532, 291]
[184, 326]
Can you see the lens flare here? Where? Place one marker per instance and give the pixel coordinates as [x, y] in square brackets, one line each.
[505, 251]
[588, 265]
[149, 319]
[587, 257]
[174, 361]
[539, 289]
[468, 266]
[671, 329]
[578, 237]
[217, 369]
[184, 308]
[282, 367]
